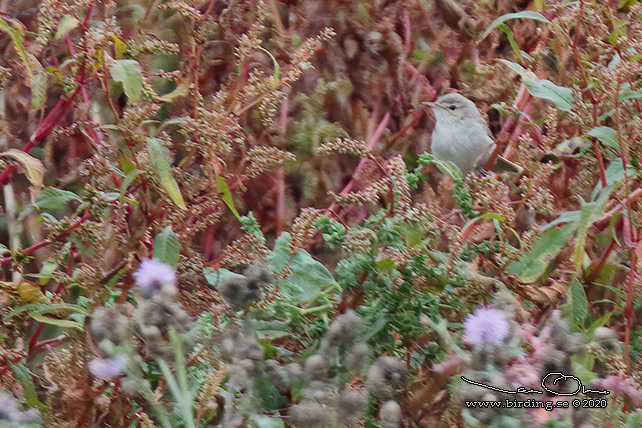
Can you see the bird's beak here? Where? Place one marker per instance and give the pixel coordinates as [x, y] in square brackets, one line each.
[431, 104]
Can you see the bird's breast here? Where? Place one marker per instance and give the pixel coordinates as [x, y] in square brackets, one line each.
[466, 145]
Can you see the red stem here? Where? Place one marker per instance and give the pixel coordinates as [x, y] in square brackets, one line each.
[38, 245]
[628, 312]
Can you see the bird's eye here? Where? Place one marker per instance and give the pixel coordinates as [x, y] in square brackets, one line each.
[453, 107]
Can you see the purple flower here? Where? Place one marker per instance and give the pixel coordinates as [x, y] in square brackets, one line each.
[622, 386]
[107, 368]
[486, 326]
[8, 408]
[152, 275]
[10, 416]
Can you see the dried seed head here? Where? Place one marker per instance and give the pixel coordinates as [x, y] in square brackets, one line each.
[257, 272]
[240, 291]
[352, 403]
[357, 358]
[607, 338]
[309, 414]
[112, 324]
[344, 331]
[316, 367]
[241, 344]
[384, 376]
[155, 318]
[107, 368]
[390, 414]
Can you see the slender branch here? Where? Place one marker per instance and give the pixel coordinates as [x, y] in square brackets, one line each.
[38, 245]
[371, 143]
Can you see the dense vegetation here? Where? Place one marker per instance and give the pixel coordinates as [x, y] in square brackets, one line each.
[225, 213]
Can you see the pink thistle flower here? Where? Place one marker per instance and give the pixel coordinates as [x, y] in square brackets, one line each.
[107, 368]
[622, 386]
[486, 326]
[152, 275]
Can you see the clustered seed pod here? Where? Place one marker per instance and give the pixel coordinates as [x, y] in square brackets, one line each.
[240, 291]
[152, 320]
[561, 344]
[158, 312]
[384, 376]
[607, 339]
[112, 324]
[310, 413]
[390, 414]
[251, 373]
[343, 332]
[341, 356]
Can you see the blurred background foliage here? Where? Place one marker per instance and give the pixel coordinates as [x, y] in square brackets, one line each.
[218, 135]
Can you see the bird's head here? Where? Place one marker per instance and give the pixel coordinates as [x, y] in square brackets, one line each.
[453, 108]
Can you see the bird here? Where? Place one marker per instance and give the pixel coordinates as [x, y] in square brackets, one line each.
[461, 135]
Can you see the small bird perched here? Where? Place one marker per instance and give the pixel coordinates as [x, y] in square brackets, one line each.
[461, 135]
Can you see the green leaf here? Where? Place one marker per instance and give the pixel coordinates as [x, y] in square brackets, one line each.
[29, 389]
[51, 198]
[277, 68]
[517, 68]
[607, 136]
[120, 47]
[561, 96]
[626, 93]
[47, 269]
[525, 14]
[16, 31]
[166, 247]
[219, 276]
[224, 191]
[128, 72]
[309, 277]
[511, 39]
[385, 265]
[590, 213]
[578, 302]
[163, 171]
[534, 264]
[129, 179]
[67, 23]
[34, 169]
[56, 321]
[39, 84]
[567, 217]
[268, 394]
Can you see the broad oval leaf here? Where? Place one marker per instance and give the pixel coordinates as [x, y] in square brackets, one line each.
[532, 265]
[51, 198]
[128, 72]
[561, 96]
[163, 171]
[34, 169]
[578, 302]
[166, 247]
[607, 136]
[309, 277]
